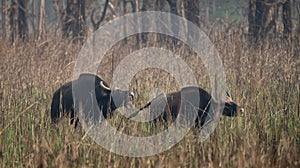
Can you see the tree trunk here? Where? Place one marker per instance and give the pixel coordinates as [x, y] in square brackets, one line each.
[3, 19]
[175, 28]
[251, 22]
[258, 21]
[272, 23]
[79, 31]
[192, 12]
[261, 16]
[298, 29]
[33, 6]
[13, 20]
[287, 18]
[159, 5]
[69, 20]
[124, 26]
[75, 20]
[159, 38]
[275, 16]
[145, 7]
[257, 18]
[22, 24]
[41, 30]
[136, 9]
[96, 24]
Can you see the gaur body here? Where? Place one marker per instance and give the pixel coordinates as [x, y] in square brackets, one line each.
[194, 97]
[91, 93]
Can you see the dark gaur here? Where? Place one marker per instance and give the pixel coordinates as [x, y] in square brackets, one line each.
[173, 103]
[89, 88]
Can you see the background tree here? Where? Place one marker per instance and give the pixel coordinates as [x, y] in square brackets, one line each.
[96, 24]
[146, 6]
[3, 7]
[79, 32]
[287, 18]
[74, 21]
[69, 20]
[258, 14]
[17, 19]
[192, 12]
[262, 18]
[173, 10]
[13, 20]
[298, 13]
[22, 16]
[41, 28]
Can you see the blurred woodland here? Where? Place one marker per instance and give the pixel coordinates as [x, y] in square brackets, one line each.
[259, 19]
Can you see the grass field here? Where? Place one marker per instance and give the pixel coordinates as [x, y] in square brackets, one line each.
[265, 81]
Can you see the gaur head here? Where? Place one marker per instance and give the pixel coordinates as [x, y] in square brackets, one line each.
[231, 109]
[119, 97]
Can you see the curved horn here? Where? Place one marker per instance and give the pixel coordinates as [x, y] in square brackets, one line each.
[104, 87]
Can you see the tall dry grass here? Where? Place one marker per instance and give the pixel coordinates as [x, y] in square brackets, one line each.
[264, 80]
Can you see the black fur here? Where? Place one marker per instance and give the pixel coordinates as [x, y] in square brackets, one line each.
[87, 87]
[190, 97]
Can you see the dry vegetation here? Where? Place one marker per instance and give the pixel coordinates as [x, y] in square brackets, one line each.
[265, 81]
